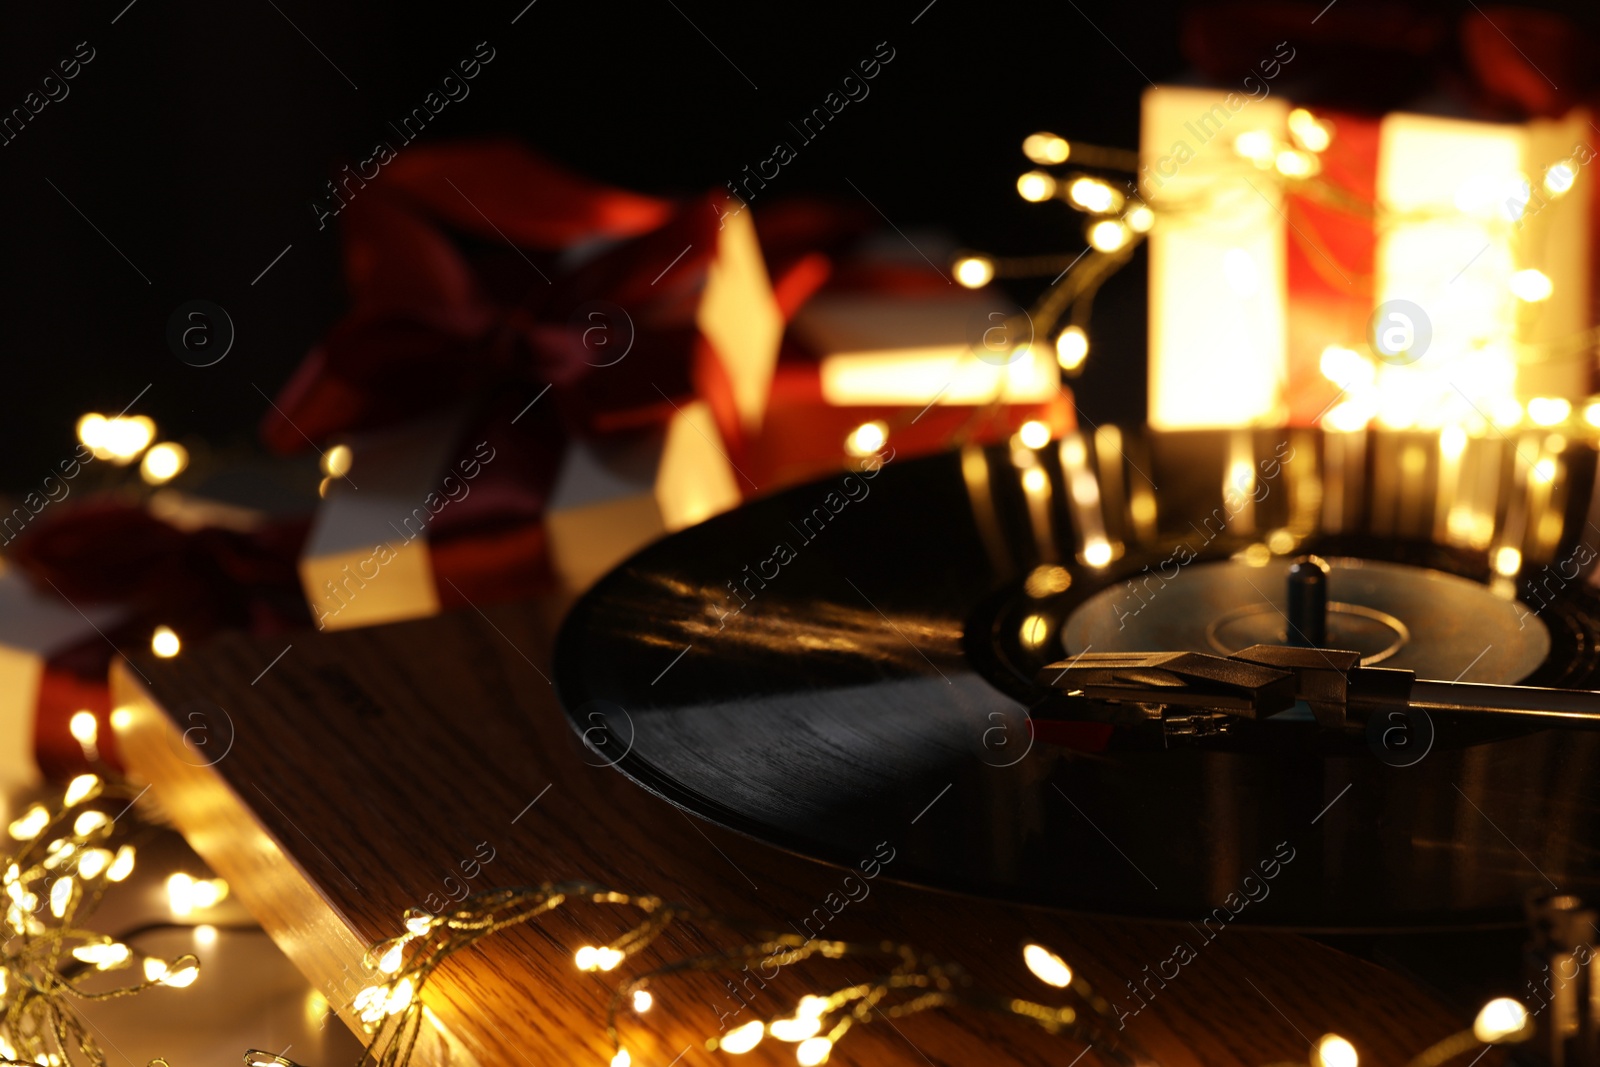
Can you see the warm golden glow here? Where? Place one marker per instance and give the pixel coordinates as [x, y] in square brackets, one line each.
[1046, 148]
[1035, 481]
[1452, 442]
[1334, 1051]
[32, 824]
[867, 439]
[205, 935]
[1047, 966]
[121, 718]
[119, 439]
[1036, 186]
[1140, 218]
[1097, 552]
[85, 728]
[1035, 631]
[1295, 164]
[1507, 561]
[393, 959]
[163, 463]
[1500, 1021]
[187, 894]
[742, 1039]
[1047, 580]
[1034, 434]
[60, 897]
[1072, 348]
[1239, 271]
[1548, 410]
[1094, 195]
[974, 272]
[181, 978]
[1544, 471]
[337, 460]
[1108, 235]
[122, 866]
[81, 788]
[621, 1059]
[1310, 134]
[90, 821]
[1257, 146]
[93, 862]
[164, 642]
[642, 1000]
[1531, 286]
[1347, 368]
[1557, 180]
[813, 1051]
[103, 955]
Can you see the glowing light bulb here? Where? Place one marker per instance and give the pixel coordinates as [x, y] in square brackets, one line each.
[1548, 410]
[1346, 367]
[867, 439]
[418, 925]
[205, 935]
[94, 862]
[1046, 966]
[1334, 1051]
[1591, 413]
[1034, 434]
[1036, 186]
[121, 439]
[122, 866]
[181, 978]
[1257, 146]
[1531, 286]
[1046, 148]
[1311, 135]
[60, 897]
[163, 463]
[81, 788]
[584, 958]
[392, 960]
[1108, 235]
[1094, 195]
[796, 1029]
[1097, 553]
[103, 956]
[812, 1051]
[1035, 630]
[621, 1059]
[400, 997]
[1544, 471]
[164, 642]
[974, 272]
[92, 433]
[1140, 218]
[180, 894]
[121, 718]
[1502, 1020]
[642, 1001]
[812, 1006]
[85, 728]
[1557, 180]
[1035, 481]
[1452, 442]
[1072, 348]
[606, 959]
[32, 824]
[89, 822]
[742, 1039]
[1507, 561]
[1292, 163]
[336, 461]
[154, 969]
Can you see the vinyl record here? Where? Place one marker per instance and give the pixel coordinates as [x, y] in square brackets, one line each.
[857, 661]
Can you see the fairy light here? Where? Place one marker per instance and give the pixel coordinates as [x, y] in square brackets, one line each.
[163, 463]
[1531, 286]
[974, 272]
[1033, 434]
[1036, 186]
[1094, 195]
[1046, 148]
[813, 1051]
[1256, 146]
[1548, 410]
[1559, 177]
[642, 1001]
[83, 787]
[1507, 561]
[1097, 552]
[121, 719]
[795, 1029]
[1108, 235]
[1140, 218]
[1334, 1051]
[1072, 348]
[89, 822]
[867, 439]
[205, 935]
[337, 461]
[1293, 163]
[119, 439]
[742, 1039]
[621, 1059]
[164, 642]
[85, 728]
[122, 866]
[1501, 1021]
[1308, 132]
[1046, 966]
[31, 824]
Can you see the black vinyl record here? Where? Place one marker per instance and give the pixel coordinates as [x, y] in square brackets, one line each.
[857, 661]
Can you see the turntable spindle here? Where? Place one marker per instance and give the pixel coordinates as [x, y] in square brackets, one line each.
[1308, 602]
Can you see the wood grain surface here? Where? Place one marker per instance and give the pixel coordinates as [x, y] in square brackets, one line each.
[363, 769]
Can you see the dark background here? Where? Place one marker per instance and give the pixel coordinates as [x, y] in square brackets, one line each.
[200, 133]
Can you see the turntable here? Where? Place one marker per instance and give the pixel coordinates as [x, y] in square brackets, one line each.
[1123, 673]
